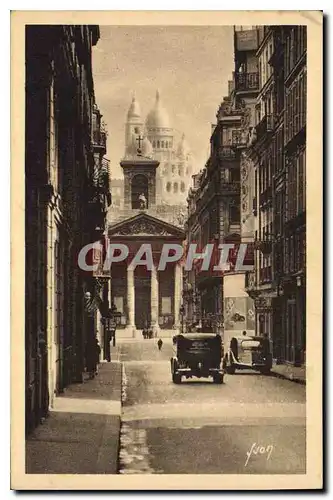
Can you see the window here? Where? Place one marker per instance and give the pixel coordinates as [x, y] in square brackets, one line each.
[53, 139]
[154, 144]
[286, 253]
[168, 187]
[292, 190]
[158, 144]
[234, 175]
[182, 187]
[175, 187]
[301, 194]
[234, 214]
[136, 130]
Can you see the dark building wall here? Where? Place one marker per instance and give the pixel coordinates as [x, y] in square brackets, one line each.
[58, 173]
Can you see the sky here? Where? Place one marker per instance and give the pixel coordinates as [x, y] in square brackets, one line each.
[190, 65]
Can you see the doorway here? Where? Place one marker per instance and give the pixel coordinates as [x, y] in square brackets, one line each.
[142, 299]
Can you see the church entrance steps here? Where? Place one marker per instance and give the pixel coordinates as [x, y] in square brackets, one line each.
[127, 333]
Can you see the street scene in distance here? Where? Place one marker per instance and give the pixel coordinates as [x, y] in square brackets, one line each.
[165, 256]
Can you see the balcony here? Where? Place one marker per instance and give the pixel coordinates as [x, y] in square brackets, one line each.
[227, 152]
[246, 81]
[230, 187]
[238, 138]
[99, 139]
[264, 127]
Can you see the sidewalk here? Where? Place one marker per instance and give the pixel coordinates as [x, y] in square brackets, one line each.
[290, 372]
[81, 434]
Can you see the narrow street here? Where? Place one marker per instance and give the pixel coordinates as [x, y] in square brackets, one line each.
[199, 427]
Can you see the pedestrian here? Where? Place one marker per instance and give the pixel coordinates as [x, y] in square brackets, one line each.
[265, 345]
[91, 357]
[97, 349]
[159, 344]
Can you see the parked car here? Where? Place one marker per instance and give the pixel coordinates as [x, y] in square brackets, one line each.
[250, 352]
[197, 355]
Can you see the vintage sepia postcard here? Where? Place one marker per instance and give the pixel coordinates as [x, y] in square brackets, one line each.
[166, 250]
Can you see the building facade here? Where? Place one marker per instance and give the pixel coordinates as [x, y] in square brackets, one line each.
[219, 211]
[277, 147]
[214, 217]
[67, 194]
[258, 149]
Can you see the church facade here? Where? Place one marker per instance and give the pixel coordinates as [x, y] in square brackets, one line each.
[155, 183]
[145, 297]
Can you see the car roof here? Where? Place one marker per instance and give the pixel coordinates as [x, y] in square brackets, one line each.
[194, 336]
[249, 337]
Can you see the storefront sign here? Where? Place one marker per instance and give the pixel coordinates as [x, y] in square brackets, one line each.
[247, 40]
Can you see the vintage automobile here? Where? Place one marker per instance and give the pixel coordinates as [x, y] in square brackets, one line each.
[248, 352]
[197, 355]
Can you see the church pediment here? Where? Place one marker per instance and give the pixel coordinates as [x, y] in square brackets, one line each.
[145, 225]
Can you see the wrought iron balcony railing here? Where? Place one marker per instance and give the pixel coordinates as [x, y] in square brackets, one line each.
[230, 187]
[226, 152]
[246, 81]
[238, 138]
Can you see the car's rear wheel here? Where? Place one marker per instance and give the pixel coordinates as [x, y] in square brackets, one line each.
[176, 378]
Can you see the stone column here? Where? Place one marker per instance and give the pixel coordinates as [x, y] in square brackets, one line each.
[177, 294]
[131, 300]
[154, 301]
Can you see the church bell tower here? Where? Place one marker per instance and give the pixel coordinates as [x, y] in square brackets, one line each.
[139, 170]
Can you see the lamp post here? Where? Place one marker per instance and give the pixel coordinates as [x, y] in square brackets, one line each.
[110, 324]
[113, 317]
[182, 313]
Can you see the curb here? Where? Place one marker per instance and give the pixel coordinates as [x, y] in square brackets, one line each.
[290, 377]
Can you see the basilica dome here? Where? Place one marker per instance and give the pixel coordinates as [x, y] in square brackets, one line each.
[158, 116]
